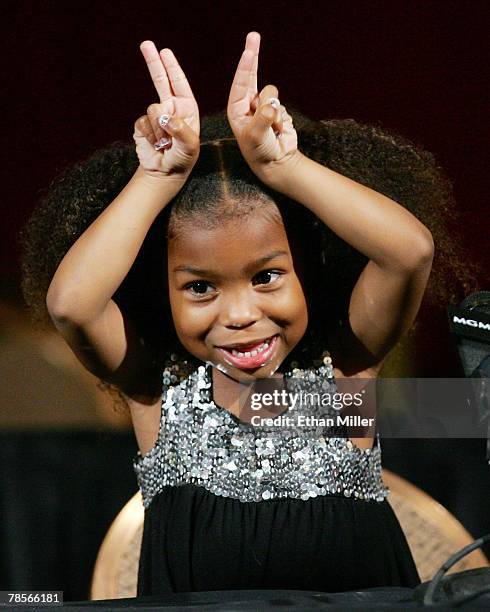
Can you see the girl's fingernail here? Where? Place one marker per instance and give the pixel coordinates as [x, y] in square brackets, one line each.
[162, 143]
[274, 102]
[163, 120]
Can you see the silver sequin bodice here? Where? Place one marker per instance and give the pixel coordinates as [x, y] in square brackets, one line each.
[203, 444]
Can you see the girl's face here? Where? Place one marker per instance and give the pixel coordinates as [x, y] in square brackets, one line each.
[235, 297]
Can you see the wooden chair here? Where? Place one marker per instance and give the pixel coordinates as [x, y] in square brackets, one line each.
[432, 532]
[116, 567]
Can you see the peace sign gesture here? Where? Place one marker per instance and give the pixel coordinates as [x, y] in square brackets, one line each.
[262, 126]
[167, 137]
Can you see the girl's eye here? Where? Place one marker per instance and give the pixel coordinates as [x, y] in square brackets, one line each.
[266, 277]
[199, 288]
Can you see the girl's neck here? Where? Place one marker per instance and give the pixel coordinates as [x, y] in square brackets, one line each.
[226, 391]
[231, 395]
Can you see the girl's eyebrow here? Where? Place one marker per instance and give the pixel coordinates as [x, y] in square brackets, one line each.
[263, 260]
[255, 264]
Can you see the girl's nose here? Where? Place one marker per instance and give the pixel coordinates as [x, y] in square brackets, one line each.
[238, 312]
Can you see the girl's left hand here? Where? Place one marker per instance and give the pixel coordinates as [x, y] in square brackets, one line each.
[263, 128]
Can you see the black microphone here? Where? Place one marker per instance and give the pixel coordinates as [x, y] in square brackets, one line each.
[470, 324]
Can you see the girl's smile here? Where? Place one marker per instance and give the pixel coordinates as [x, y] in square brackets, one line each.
[236, 299]
[254, 354]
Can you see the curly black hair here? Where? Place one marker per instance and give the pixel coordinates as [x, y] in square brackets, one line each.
[368, 154]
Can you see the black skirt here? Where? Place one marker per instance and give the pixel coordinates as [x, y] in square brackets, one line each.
[194, 540]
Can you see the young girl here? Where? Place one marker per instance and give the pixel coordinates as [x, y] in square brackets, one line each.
[240, 258]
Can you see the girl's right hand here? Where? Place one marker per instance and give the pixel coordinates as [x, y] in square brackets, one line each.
[171, 149]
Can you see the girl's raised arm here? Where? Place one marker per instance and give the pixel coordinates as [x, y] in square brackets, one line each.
[388, 293]
[79, 299]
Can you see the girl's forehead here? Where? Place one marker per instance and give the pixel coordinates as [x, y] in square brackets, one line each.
[234, 240]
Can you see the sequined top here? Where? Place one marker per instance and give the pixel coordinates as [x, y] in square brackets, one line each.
[200, 443]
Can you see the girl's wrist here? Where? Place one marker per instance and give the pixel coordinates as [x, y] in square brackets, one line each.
[160, 181]
[150, 192]
[281, 174]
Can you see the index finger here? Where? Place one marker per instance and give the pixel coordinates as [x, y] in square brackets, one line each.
[239, 87]
[157, 70]
[252, 42]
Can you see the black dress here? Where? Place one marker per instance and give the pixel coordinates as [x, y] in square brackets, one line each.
[319, 520]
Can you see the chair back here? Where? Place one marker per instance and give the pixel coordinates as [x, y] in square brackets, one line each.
[116, 567]
[433, 533]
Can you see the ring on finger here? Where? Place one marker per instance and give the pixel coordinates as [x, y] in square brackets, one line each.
[162, 143]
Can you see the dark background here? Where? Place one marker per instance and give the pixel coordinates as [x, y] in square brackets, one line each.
[75, 80]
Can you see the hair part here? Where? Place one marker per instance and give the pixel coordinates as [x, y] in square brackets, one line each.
[216, 193]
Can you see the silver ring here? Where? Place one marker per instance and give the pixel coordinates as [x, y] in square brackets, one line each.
[162, 143]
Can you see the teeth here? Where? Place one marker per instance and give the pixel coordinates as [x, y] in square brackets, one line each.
[265, 345]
